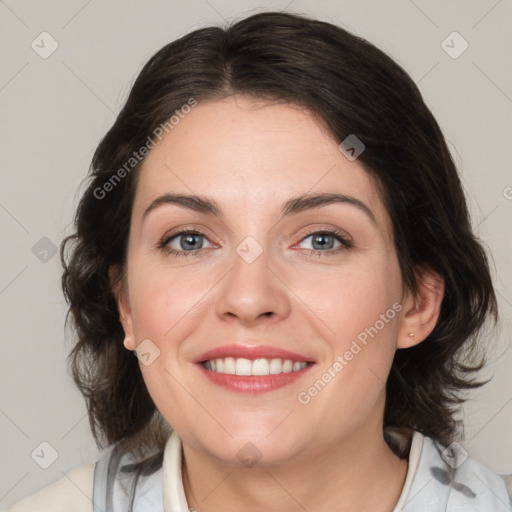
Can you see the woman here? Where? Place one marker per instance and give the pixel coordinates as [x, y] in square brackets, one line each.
[306, 354]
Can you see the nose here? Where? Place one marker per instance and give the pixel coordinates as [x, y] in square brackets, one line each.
[252, 291]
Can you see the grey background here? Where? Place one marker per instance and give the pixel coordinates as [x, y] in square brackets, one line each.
[55, 110]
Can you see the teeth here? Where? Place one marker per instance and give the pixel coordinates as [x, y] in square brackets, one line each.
[243, 366]
[297, 367]
[260, 367]
[229, 366]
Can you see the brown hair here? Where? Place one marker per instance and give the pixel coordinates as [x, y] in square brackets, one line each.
[354, 88]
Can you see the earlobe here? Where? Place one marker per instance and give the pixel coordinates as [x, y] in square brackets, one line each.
[128, 343]
[421, 310]
[120, 292]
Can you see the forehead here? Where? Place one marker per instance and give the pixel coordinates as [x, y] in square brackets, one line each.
[251, 154]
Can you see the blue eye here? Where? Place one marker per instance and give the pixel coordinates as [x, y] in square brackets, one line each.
[184, 243]
[322, 241]
[327, 242]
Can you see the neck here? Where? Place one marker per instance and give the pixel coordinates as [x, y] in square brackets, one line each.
[358, 473]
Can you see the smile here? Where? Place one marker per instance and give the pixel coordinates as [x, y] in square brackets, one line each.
[249, 381]
[256, 367]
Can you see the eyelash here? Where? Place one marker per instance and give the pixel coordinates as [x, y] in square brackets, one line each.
[346, 243]
[163, 243]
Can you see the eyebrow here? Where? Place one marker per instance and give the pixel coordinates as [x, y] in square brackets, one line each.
[294, 205]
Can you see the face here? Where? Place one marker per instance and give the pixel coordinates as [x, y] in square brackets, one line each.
[248, 268]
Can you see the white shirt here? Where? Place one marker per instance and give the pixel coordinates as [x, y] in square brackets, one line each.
[437, 481]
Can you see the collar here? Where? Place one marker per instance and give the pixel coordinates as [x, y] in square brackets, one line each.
[173, 493]
[174, 498]
[438, 480]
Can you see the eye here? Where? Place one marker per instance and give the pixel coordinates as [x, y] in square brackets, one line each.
[184, 243]
[327, 241]
[187, 242]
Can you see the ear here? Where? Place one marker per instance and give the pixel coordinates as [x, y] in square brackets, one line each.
[421, 310]
[120, 291]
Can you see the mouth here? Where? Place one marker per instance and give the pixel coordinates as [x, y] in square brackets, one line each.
[253, 370]
[256, 367]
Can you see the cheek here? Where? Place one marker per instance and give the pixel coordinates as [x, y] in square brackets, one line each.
[164, 305]
[350, 299]
[162, 300]
[357, 310]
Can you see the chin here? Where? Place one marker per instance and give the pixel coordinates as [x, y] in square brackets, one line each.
[252, 448]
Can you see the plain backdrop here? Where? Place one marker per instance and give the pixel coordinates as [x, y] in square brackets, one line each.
[56, 109]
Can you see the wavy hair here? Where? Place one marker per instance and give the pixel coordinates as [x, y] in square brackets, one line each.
[353, 88]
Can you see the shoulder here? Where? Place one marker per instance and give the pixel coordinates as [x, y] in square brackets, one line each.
[71, 493]
[448, 479]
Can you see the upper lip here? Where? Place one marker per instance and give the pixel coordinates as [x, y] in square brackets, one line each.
[248, 352]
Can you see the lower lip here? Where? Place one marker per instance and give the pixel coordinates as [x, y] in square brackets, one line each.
[254, 384]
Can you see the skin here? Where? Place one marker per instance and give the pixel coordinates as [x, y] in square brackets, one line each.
[251, 157]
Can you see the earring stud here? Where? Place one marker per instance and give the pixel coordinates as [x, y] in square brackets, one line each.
[411, 335]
